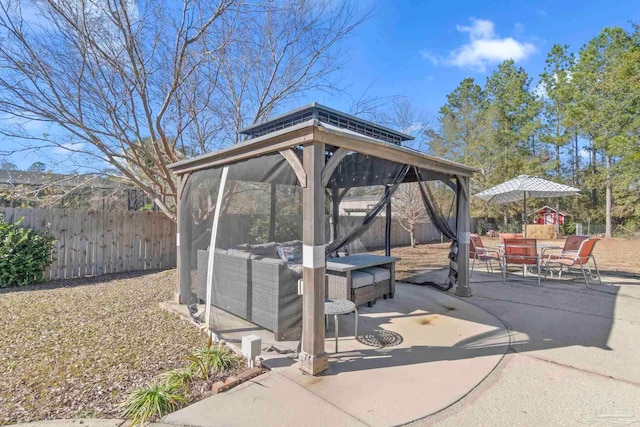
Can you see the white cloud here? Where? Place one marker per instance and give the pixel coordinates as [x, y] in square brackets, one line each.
[540, 91]
[413, 128]
[541, 88]
[20, 125]
[435, 59]
[68, 148]
[484, 48]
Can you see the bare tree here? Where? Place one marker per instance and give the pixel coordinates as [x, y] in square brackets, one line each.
[139, 85]
[408, 208]
[279, 52]
[399, 113]
[75, 191]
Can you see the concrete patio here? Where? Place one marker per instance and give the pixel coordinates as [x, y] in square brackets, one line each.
[417, 354]
[571, 358]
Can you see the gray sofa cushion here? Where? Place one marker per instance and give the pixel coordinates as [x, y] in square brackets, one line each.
[379, 273]
[267, 250]
[239, 253]
[359, 279]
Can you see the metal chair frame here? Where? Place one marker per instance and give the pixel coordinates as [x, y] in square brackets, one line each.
[578, 258]
[477, 251]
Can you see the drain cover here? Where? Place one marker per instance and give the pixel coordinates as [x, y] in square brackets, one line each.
[381, 338]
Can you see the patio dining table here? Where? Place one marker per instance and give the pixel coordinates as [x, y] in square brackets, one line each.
[541, 248]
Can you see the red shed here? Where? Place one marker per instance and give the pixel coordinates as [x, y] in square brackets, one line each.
[548, 215]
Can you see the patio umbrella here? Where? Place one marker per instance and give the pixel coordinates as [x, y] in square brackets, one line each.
[523, 187]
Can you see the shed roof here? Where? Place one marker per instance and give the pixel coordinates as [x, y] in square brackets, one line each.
[553, 209]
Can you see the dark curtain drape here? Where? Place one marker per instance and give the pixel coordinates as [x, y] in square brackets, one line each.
[367, 220]
[439, 220]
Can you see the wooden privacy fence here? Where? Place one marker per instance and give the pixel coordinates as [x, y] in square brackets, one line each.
[90, 243]
[374, 237]
[237, 230]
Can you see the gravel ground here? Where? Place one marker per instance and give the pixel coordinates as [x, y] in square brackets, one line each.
[73, 348]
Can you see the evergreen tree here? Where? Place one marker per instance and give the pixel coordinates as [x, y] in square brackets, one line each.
[599, 110]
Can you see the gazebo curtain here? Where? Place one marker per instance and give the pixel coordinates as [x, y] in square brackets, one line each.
[369, 218]
[440, 221]
[198, 202]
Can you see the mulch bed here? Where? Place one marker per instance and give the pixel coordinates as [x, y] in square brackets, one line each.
[75, 348]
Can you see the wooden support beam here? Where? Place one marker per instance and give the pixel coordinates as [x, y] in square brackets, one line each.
[335, 212]
[387, 226]
[332, 164]
[390, 152]
[344, 193]
[296, 165]
[463, 225]
[313, 359]
[279, 141]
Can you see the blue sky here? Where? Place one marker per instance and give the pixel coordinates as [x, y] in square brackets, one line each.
[422, 50]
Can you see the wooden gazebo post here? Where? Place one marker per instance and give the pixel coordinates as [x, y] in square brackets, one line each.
[313, 358]
[463, 225]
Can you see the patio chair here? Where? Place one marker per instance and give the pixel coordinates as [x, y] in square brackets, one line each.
[571, 245]
[510, 236]
[477, 251]
[571, 259]
[522, 252]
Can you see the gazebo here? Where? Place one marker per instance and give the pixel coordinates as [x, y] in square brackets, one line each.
[257, 221]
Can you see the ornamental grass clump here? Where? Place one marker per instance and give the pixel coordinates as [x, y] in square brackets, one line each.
[178, 378]
[154, 400]
[169, 390]
[211, 360]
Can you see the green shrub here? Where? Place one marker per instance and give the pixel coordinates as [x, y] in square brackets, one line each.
[154, 400]
[286, 228]
[211, 360]
[568, 228]
[24, 254]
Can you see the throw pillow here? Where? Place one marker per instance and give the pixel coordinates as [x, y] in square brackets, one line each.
[290, 254]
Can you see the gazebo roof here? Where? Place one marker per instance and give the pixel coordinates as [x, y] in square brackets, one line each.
[314, 130]
[329, 116]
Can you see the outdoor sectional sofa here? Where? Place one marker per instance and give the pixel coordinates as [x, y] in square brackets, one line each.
[252, 282]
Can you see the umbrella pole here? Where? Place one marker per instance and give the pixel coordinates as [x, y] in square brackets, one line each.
[524, 215]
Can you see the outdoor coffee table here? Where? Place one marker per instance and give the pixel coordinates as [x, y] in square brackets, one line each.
[336, 307]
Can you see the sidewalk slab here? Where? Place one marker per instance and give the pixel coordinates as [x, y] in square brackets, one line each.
[526, 391]
[268, 400]
[78, 422]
